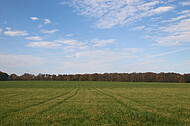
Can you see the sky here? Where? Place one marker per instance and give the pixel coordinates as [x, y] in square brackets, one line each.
[94, 36]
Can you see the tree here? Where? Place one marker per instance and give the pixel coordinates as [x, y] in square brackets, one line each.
[186, 78]
[60, 78]
[13, 77]
[3, 76]
[53, 77]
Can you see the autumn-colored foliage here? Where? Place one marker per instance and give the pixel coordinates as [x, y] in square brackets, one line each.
[122, 77]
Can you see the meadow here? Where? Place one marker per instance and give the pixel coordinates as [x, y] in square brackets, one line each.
[94, 103]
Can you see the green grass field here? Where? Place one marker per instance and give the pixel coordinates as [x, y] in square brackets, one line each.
[94, 103]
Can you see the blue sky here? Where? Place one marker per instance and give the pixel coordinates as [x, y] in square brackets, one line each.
[94, 36]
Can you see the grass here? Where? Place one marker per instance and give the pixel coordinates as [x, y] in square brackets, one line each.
[94, 103]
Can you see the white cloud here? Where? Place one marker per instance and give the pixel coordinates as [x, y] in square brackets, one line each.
[91, 61]
[175, 33]
[64, 3]
[187, 3]
[72, 45]
[98, 42]
[95, 60]
[34, 18]
[182, 26]
[139, 28]
[1, 30]
[16, 33]
[44, 44]
[185, 14]
[160, 10]
[68, 42]
[133, 50]
[171, 1]
[69, 45]
[47, 21]
[7, 60]
[103, 55]
[50, 31]
[85, 67]
[156, 18]
[8, 28]
[69, 35]
[110, 13]
[145, 66]
[173, 39]
[111, 65]
[35, 38]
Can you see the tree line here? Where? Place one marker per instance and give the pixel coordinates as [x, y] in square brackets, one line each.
[122, 77]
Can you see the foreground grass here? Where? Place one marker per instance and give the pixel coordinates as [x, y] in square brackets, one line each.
[94, 103]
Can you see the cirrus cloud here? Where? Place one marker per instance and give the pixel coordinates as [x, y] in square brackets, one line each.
[109, 13]
[187, 3]
[174, 34]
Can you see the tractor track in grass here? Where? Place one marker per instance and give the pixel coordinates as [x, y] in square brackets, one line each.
[105, 93]
[135, 111]
[29, 106]
[130, 99]
[139, 103]
[56, 104]
[10, 95]
[113, 95]
[5, 96]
